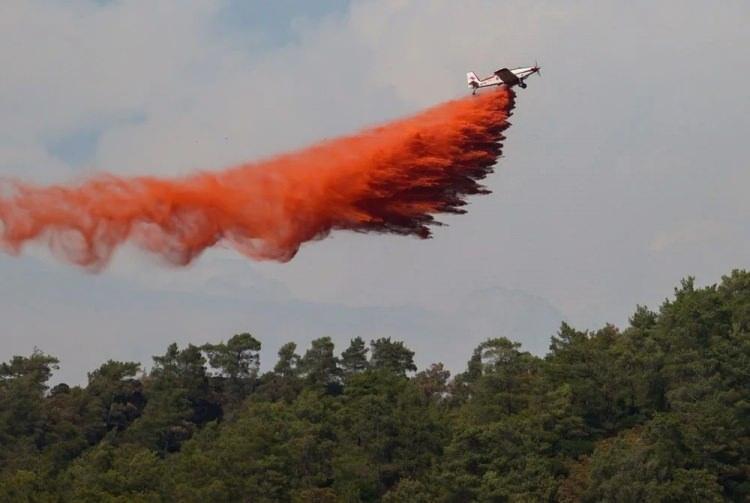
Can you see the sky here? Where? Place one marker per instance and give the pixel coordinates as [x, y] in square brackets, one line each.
[624, 171]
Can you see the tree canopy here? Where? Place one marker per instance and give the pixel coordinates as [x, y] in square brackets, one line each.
[657, 411]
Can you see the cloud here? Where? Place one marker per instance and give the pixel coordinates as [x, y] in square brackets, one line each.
[634, 133]
[690, 233]
[74, 65]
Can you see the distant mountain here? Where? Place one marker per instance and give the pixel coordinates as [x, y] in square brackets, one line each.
[84, 318]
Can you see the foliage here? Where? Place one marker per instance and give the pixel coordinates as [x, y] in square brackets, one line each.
[658, 411]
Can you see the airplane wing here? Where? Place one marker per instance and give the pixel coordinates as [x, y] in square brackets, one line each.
[507, 76]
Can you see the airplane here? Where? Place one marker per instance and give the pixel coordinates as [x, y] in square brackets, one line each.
[503, 77]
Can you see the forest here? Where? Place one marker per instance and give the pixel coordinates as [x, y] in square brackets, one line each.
[658, 411]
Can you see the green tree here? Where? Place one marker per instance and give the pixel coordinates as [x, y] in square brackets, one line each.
[503, 379]
[649, 465]
[433, 381]
[391, 356]
[288, 362]
[116, 473]
[179, 400]
[320, 367]
[119, 394]
[284, 382]
[389, 430]
[237, 362]
[23, 383]
[657, 411]
[354, 358]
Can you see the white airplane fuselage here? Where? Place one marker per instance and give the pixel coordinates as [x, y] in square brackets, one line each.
[502, 77]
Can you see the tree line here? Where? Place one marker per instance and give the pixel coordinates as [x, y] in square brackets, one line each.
[658, 411]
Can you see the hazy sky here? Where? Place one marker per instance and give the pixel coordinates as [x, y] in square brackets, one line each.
[623, 172]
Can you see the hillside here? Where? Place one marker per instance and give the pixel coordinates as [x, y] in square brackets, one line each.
[656, 411]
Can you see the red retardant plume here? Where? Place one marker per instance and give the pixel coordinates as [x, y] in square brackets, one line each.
[391, 178]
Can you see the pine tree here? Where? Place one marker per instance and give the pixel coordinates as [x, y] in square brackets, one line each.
[354, 358]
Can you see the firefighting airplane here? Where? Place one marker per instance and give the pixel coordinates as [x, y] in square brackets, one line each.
[503, 77]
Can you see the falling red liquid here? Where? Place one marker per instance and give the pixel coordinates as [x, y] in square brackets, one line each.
[391, 178]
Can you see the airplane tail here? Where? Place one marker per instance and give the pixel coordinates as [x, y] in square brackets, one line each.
[472, 80]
